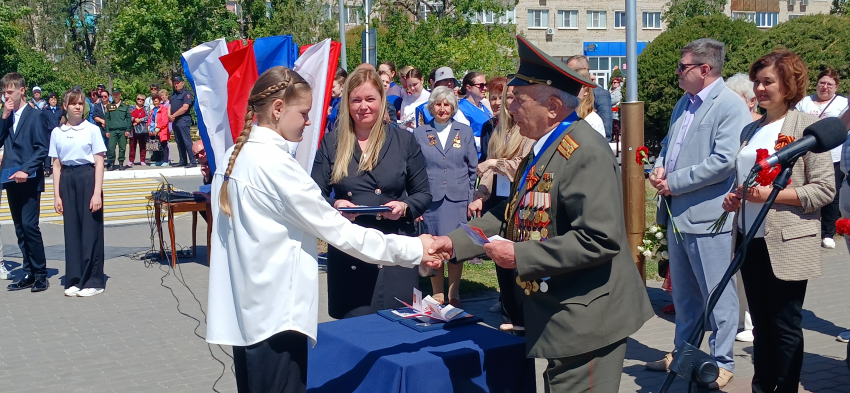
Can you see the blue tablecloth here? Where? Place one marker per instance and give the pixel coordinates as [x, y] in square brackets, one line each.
[375, 355]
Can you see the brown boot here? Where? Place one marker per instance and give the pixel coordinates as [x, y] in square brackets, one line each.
[661, 365]
[722, 379]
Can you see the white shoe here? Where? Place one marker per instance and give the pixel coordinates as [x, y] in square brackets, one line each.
[89, 292]
[496, 307]
[72, 292]
[827, 242]
[4, 274]
[843, 336]
[745, 336]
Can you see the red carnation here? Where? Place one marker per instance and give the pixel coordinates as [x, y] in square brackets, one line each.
[842, 227]
[641, 155]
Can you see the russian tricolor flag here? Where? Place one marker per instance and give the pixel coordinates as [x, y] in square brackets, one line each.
[222, 74]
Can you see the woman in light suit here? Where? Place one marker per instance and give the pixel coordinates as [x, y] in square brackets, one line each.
[785, 252]
[450, 160]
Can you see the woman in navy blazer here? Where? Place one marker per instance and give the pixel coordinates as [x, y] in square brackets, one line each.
[450, 160]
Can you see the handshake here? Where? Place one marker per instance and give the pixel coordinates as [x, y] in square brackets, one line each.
[435, 250]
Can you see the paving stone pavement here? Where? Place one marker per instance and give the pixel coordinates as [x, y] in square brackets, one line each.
[133, 337]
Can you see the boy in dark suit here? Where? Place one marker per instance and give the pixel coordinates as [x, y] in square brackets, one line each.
[23, 131]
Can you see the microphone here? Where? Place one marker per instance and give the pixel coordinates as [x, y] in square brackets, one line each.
[822, 136]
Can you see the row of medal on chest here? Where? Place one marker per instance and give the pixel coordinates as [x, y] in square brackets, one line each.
[532, 217]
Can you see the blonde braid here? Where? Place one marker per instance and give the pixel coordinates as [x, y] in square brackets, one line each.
[224, 199]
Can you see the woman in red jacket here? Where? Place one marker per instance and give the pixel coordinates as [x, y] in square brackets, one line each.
[158, 128]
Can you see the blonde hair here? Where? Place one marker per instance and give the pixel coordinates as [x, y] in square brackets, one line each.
[585, 107]
[163, 94]
[345, 138]
[276, 83]
[506, 140]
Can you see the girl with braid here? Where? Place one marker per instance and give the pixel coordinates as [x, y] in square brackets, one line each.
[264, 290]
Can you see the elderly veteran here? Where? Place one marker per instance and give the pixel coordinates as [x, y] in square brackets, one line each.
[583, 294]
[450, 160]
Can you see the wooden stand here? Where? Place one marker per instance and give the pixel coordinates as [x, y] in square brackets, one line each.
[182, 207]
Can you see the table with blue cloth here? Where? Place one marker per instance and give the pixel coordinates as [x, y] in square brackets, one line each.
[373, 354]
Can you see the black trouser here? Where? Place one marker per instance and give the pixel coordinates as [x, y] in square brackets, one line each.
[277, 364]
[509, 296]
[830, 213]
[83, 229]
[184, 142]
[163, 152]
[24, 204]
[776, 308]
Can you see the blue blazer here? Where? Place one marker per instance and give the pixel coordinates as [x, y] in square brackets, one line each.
[451, 170]
[27, 147]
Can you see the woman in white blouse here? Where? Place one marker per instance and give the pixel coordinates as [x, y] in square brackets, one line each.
[263, 293]
[77, 150]
[827, 103]
[416, 95]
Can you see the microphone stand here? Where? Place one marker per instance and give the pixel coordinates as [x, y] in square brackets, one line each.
[688, 360]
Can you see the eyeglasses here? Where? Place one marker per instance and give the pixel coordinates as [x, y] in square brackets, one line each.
[481, 86]
[826, 84]
[200, 153]
[683, 66]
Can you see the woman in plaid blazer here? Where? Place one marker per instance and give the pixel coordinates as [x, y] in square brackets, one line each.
[786, 250]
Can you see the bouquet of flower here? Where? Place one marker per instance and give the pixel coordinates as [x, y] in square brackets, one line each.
[842, 226]
[654, 246]
[642, 157]
[764, 178]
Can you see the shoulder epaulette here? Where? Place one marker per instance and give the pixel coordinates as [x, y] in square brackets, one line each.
[567, 147]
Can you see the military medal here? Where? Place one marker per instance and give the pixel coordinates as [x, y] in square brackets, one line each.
[432, 140]
[544, 287]
[544, 233]
[531, 179]
[456, 141]
[535, 286]
[535, 235]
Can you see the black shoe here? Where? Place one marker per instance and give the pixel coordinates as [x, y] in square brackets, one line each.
[110, 167]
[179, 164]
[192, 165]
[24, 283]
[40, 284]
[121, 167]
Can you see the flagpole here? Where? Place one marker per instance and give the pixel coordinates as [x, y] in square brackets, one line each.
[342, 34]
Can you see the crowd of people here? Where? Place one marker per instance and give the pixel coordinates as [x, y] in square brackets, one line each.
[468, 152]
[145, 125]
[513, 154]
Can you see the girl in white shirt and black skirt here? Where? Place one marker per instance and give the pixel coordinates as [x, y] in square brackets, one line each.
[77, 150]
[264, 289]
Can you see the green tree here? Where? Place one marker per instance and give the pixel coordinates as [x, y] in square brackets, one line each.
[820, 40]
[150, 35]
[839, 7]
[679, 11]
[658, 84]
[452, 40]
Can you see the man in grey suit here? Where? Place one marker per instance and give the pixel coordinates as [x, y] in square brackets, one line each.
[694, 171]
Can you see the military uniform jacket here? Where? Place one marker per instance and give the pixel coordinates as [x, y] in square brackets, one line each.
[594, 295]
[118, 117]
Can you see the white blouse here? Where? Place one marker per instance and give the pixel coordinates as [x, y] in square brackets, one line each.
[822, 110]
[263, 268]
[76, 145]
[764, 138]
[596, 122]
[409, 105]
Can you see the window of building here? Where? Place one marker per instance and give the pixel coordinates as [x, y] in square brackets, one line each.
[767, 19]
[793, 16]
[538, 19]
[747, 16]
[596, 20]
[651, 20]
[93, 7]
[428, 8]
[567, 19]
[508, 16]
[352, 15]
[620, 19]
